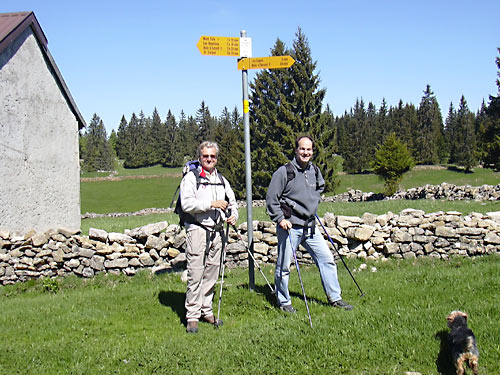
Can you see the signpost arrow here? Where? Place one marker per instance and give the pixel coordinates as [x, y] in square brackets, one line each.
[219, 45]
[271, 62]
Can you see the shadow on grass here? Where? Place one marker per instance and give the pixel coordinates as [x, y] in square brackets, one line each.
[174, 300]
[444, 363]
[271, 297]
[454, 168]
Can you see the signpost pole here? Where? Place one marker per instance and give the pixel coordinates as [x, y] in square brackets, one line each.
[248, 173]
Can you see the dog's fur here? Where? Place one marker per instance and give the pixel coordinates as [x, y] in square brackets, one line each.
[462, 343]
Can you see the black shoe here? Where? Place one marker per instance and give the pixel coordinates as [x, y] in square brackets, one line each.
[192, 327]
[288, 309]
[342, 305]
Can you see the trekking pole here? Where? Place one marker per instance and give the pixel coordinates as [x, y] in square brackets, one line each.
[300, 277]
[222, 268]
[340, 255]
[173, 198]
[254, 261]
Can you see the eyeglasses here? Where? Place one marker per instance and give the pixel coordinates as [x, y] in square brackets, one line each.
[209, 156]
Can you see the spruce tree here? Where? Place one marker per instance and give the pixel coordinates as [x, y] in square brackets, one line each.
[272, 137]
[481, 124]
[450, 132]
[231, 163]
[113, 138]
[355, 140]
[465, 137]
[429, 134]
[286, 103]
[392, 160]
[97, 155]
[156, 139]
[205, 122]
[172, 143]
[492, 133]
[122, 141]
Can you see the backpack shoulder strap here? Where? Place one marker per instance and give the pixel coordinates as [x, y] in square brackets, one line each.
[290, 172]
[316, 171]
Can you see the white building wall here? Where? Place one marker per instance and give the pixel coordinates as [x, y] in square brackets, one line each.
[39, 160]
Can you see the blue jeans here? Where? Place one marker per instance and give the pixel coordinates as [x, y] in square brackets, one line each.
[322, 256]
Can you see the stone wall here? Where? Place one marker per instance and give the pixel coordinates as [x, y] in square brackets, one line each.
[160, 247]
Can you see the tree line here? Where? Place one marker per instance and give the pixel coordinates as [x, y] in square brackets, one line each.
[285, 103]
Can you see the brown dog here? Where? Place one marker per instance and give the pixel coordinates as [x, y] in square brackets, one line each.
[462, 342]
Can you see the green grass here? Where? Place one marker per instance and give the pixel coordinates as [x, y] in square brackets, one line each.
[155, 170]
[127, 195]
[419, 177]
[114, 324]
[131, 195]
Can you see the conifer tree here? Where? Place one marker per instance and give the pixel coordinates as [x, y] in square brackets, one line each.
[135, 154]
[429, 134]
[122, 141]
[286, 103]
[156, 139]
[392, 160]
[355, 140]
[172, 143]
[481, 124]
[231, 163]
[189, 138]
[97, 155]
[465, 151]
[451, 134]
[272, 137]
[112, 142]
[492, 133]
[205, 122]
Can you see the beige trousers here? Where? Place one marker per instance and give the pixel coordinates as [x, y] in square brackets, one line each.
[203, 261]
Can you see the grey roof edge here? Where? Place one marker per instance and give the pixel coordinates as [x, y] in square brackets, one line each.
[30, 20]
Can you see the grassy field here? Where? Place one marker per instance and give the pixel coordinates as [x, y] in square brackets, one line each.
[420, 177]
[119, 325]
[131, 195]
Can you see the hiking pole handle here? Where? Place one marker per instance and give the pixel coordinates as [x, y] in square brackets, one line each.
[340, 255]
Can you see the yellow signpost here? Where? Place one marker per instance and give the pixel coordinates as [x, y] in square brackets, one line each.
[219, 46]
[270, 62]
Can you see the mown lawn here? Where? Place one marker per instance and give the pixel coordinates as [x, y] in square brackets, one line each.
[119, 325]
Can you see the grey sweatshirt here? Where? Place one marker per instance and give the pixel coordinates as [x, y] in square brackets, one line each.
[300, 193]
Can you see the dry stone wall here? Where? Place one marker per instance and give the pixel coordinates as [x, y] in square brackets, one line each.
[160, 247]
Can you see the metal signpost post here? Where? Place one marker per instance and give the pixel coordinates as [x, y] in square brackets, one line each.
[248, 171]
[242, 48]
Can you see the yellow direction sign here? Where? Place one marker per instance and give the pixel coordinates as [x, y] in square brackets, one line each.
[271, 62]
[219, 45]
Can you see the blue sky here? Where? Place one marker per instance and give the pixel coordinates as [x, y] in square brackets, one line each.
[119, 57]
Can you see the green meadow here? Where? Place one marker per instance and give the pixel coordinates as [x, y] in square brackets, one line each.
[135, 325]
[133, 194]
[114, 324]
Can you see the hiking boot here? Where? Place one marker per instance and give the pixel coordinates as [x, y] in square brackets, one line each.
[342, 305]
[192, 327]
[288, 309]
[211, 320]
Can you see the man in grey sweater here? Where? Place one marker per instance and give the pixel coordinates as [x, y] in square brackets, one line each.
[292, 201]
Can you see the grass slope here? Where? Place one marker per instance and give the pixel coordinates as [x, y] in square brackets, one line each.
[114, 324]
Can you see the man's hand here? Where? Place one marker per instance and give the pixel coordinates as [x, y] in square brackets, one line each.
[219, 204]
[285, 224]
[231, 220]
